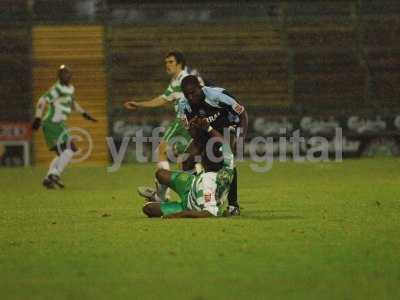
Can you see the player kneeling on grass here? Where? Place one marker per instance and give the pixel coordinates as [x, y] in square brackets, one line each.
[203, 194]
[60, 99]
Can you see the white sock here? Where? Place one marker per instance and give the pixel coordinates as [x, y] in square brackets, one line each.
[53, 166]
[65, 158]
[162, 190]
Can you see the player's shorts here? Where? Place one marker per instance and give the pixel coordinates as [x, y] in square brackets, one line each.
[54, 133]
[177, 136]
[181, 183]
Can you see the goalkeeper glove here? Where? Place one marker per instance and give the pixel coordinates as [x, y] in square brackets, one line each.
[88, 117]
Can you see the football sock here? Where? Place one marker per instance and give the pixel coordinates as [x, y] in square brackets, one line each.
[163, 191]
[65, 158]
[232, 196]
[53, 166]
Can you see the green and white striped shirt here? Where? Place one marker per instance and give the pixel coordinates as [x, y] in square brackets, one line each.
[174, 91]
[210, 189]
[60, 99]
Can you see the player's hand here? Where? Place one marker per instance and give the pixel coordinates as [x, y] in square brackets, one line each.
[195, 122]
[36, 123]
[132, 105]
[89, 117]
[204, 124]
[199, 123]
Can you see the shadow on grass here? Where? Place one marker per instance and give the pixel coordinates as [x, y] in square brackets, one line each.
[265, 211]
[269, 218]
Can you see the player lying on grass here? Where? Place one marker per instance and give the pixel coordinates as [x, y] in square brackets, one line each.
[222, 111]
[175, 66]
[203, 194]
[60, 99]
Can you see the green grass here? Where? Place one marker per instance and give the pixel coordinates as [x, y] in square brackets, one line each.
[307, 231]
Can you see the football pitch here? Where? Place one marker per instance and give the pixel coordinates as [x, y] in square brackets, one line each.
[307, 231]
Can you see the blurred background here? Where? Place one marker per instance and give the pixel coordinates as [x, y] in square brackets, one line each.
[311, 66]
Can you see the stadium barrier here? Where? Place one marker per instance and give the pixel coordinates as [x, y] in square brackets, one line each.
[15, 144]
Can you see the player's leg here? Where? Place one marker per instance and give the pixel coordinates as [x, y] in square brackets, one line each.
[65, 156]
[46, 182]
[163, 164]
[57, 140]
[189, 163]
[162, 179]
[178, 137]
[58, 165]
[194, 150]
[159, 209]
[152, 209]
[52, 132]
[180, 182]
[233, 205]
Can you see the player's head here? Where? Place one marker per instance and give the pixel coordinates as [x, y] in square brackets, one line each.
[191, 88]
[174, 62]
[64, 75]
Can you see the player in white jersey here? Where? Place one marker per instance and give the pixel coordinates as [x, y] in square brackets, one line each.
[202, 194]
[60, 100]
[175, 67]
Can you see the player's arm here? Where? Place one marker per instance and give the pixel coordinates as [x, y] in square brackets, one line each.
[236, 108]
[155, 102]
[84, 113]
[189, 214]
[244, 124]
[40, 107]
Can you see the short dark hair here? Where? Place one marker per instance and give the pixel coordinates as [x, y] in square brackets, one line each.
[180, 59]
[190, 80]
[63, 68]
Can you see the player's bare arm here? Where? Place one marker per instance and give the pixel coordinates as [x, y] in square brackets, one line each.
[40, 108]
[155, 102]
[78, 108]
[244, 123]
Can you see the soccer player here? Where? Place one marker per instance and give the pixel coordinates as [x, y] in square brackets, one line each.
[202, 194]
[175, 67]
[222, 111]
[60, 99]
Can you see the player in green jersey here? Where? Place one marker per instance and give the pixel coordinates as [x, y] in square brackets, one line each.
[60, 100]
[175, 67]
[201, 195]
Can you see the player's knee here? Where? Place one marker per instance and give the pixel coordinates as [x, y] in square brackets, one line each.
[162, 175]
[146, 210]
[61, 148]
[152, 210]
[73, 147]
